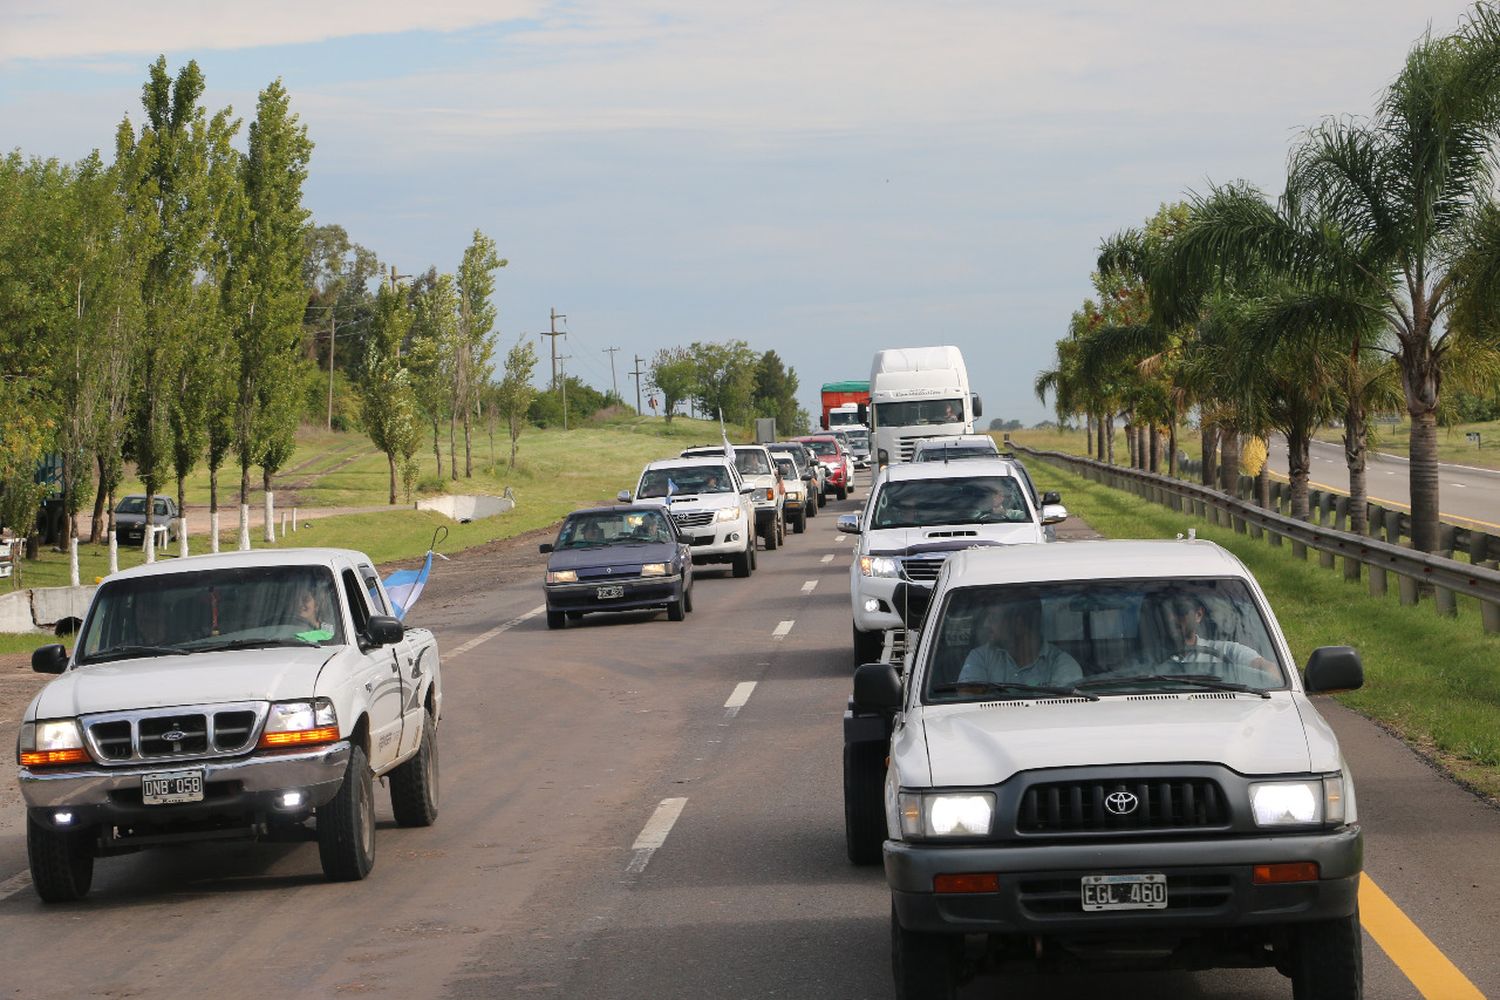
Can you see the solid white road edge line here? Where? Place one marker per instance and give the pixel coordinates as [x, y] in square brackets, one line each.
[654, 834]
[780, 631]
[14, 884]
[487, 636]
[809, 586]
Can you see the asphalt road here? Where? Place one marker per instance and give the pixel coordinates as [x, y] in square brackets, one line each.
[623, 818]
[1466, 495]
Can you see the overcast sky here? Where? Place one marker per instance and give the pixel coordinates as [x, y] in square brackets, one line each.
[820, 177]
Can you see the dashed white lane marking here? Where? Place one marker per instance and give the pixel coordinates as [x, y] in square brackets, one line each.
[827, 559]
[1462, 486]
[809, 586]
[14, 884]
[654, 834]
[780, 631]
[506, 627]
[737, 698]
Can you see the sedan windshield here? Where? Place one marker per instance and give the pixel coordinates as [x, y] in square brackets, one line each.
[613, 527]
[969, 500]
[212, 609]
[684, 480]
[1101, 638]
[132, 505]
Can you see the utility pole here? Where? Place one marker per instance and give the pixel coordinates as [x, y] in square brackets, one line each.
[564, 370]
[554, 334]
[612, 381]
[333, 326]
[638, 372]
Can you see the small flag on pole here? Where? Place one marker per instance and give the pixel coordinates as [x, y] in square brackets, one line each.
[406, 585]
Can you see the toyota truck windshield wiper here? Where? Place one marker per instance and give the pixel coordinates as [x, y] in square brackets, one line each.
[997, 687]
[1196, 680]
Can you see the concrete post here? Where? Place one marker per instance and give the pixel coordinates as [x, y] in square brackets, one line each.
[1325, 558]
[1351, 568]
[294, 519]
[1446, 602]
[1409, 590]
[1299, 549]
[1377, 580]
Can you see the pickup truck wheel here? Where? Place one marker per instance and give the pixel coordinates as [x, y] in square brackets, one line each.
[754, 556]
[843, 493]
[864, 808]
[867, 646]
[771, 535]
[742, 564]
[1328, 960]
[810, 509]
[414, 785]
[557, 619]
[925, 965]
[346, 824]
[62, 864]
[799, 523]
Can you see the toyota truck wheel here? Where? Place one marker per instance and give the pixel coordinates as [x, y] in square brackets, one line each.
[62, 863]
[414, 785]
[770, 535]
[742, 564]
[346, 824]
[864, 807]
[799, 523]
[867, 647]
[557, 619]
[1328, 960]
[925, 965]
[810, 509]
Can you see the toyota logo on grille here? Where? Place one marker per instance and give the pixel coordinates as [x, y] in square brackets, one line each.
[174, 735]
[1121, 803]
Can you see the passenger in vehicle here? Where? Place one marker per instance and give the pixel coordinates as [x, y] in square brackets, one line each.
[1014, 652]
[1192, 653]
[310, 619]
[1004, 505]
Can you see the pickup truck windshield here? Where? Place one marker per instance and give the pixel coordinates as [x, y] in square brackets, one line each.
[237, 608]
[952, 452]
[916, 412]
[1101, 637]
[613, 527]
[751, 463]
[969, 500]
[686, 479]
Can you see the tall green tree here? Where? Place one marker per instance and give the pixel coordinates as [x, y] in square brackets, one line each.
[775, 394]
[724, 378]
[673, 374]
[432, 344]
[476, 321]
[388, 403]
[515, 392]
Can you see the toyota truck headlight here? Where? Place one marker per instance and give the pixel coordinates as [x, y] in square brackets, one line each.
[949, 814]
[729, 514]
[654, 569]
[51, 743]
[883, 566]
[562, 576]
[1289, 803]
[300, 724]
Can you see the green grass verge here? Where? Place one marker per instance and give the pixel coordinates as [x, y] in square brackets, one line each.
[1433, 680]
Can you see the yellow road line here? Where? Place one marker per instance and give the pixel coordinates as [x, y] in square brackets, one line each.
[1415, 955]
[1388, 503]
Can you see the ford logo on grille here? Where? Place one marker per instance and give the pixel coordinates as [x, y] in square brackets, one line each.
[174, 735]
[1121, 803]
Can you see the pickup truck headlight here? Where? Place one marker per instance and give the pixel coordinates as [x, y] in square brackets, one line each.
[562, 576]
[300, 724]
[883, 566]
[654, 569]
[729, 514]
[952, 814]
[51, 743]
[1298, 803]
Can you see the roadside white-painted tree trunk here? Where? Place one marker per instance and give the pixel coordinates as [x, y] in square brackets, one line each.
[148, 542]
[73, 561]
[213, 532]
[270, 524]
[114, 553]
[244, 527]
[182, 542]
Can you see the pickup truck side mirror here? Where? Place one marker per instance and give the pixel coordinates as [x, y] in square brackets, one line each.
[51, 659]
[1051, 496]
[877, 688]
[747, 491]
[623, 496]
[385, 630]
[1054, 513]
[1334, 668]
[544, 548]
[848, 524]
[911, 603]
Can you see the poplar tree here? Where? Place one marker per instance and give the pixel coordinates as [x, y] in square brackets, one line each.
[476, 318]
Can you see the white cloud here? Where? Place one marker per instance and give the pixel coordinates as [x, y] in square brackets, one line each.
[72, 29]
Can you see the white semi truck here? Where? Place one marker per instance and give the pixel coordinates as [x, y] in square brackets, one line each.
[915, 393]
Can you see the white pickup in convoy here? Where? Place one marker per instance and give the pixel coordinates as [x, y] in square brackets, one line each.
[710, 503]
[230, 696]
[917, 392]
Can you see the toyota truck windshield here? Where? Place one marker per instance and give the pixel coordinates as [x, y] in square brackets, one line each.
[969, 500]
[193, 612]
[1102, 638]
[688, 479]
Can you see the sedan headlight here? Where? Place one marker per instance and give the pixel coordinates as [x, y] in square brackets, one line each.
[562, 576]
[949, 814]
[729, 514]
[300, 724]
[1298, 803]
[51, 743]
[654, 569]
[881, 566]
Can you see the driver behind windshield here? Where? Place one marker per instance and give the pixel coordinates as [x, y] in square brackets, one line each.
[1192, 653]
[1012, 651]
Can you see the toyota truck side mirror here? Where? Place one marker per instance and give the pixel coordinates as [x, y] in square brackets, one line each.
[848, 524]
[544, 548]
[51, 659]
[1054, 513]
[385, 630]
[1334, 668]
[877, 688]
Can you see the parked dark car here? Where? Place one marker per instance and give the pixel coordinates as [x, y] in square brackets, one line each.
[130, 518]
[618, 558]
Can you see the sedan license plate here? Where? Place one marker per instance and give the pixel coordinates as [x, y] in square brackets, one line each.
[1124, 892]
[165, 788]
[605, 593]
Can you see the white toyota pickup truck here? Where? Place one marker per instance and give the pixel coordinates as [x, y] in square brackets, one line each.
[229, 696]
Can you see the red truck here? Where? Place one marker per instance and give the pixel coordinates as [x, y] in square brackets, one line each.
[851, 392]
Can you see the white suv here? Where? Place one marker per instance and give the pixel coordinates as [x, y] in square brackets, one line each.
[1103, 757]
[756, 467]
[917, 515]
[710, 504]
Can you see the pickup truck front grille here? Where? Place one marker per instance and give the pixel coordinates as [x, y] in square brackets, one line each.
[1136, 804]
[925, 570]
[174, 733]
[693, 518]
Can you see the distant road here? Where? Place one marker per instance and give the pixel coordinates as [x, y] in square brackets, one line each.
[1465, 495]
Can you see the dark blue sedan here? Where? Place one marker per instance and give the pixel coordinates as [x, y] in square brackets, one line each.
[618, 559]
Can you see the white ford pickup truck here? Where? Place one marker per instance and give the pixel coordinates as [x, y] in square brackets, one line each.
[225, 696]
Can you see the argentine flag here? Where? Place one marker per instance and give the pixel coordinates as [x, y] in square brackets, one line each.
[405, 585]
